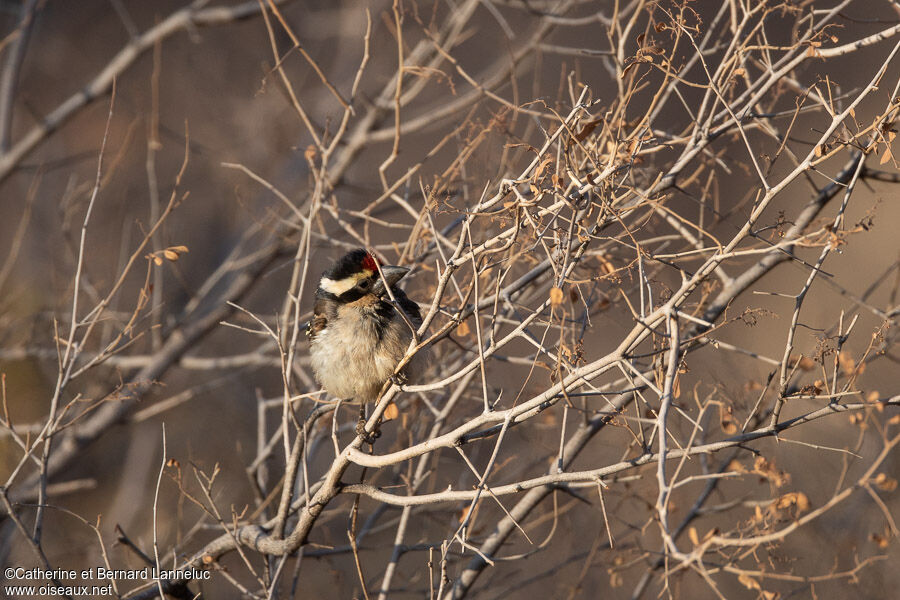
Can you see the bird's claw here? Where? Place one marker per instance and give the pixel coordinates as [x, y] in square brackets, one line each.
[367, 437]
[399, 379]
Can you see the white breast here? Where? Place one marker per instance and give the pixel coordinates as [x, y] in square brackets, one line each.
[350, 360]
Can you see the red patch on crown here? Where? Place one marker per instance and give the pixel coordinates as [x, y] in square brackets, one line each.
[370, 263]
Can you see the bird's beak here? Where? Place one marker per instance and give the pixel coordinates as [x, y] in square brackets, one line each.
[391, 275]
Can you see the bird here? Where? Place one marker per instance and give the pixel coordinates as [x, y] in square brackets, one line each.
[357, 335]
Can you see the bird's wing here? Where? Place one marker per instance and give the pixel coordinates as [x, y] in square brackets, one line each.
[320, 318]
[409, 307]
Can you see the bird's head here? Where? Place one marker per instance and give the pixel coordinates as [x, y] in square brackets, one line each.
[355, 275]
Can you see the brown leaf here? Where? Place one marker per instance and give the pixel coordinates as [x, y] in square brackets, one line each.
[391, 412]
[607, 267]
[587, 129]
[462, 330]
[556, 296]
[539, 170]
[768, 470]
[557, 182]
[881, 540]
[886, 156]
[804, 363]
[170, 255]
[749, 582]
[727, 420]
[692, 535]
[885, 483]
[847, 364]
[735, 466]
[788, 501]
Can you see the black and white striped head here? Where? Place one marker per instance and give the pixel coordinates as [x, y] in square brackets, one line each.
[355, 275]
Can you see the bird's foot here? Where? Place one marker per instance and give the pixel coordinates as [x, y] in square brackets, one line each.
[367, 437]
[399, 379]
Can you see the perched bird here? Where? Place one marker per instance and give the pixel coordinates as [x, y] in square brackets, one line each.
[357, 336]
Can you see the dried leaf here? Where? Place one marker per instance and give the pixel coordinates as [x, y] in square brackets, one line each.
[587, 129]
[557, 182]
[749, 582]
[157, 261]
[173, 256]
[735, 466]
[615, 580]
[633, 145]
[804, 363]
[391, 412]
[790, 500]
[885, 483]
[692, 535]
[539, 171]
[768, 470]
[847, 364]
[606, 266]
[886, 156]
[727, 420]
[462, 330]
[556, 296]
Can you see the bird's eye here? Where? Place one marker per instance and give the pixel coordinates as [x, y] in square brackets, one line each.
[364, 284]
